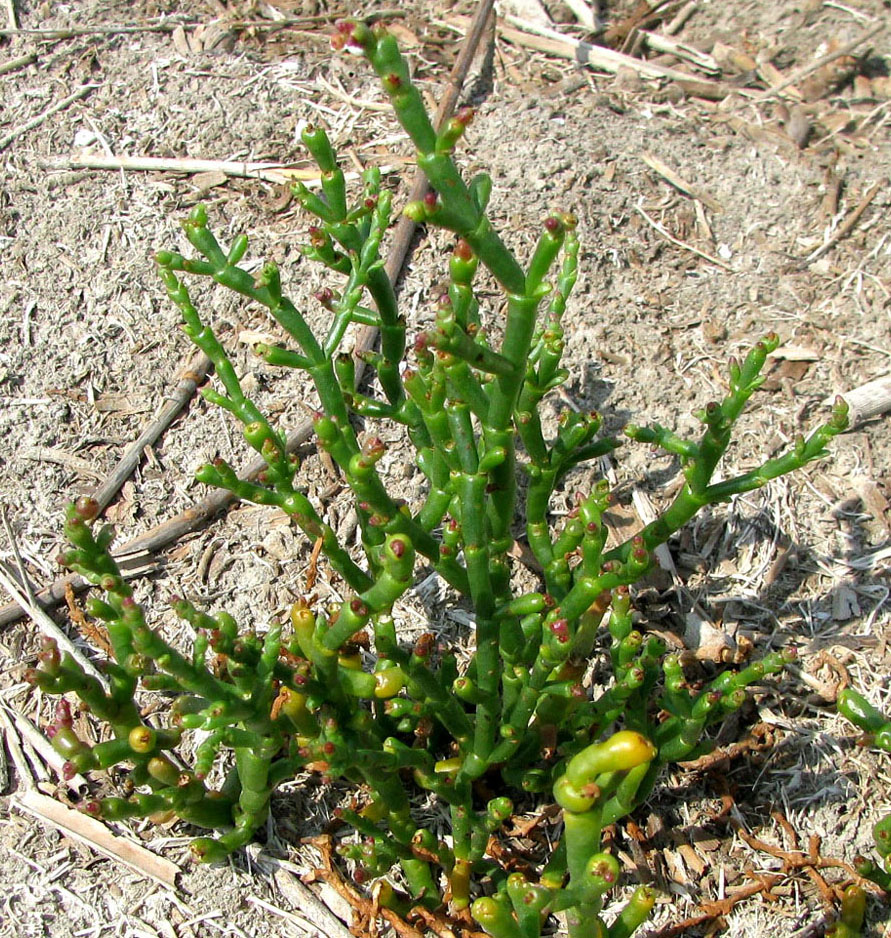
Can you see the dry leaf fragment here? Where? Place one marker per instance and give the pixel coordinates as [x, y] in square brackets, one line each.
[254, 337]
[873, 500]
[831, 76]
[844, 603]
[795, 353]
[211, 180]
[732, 60]
[705, 640]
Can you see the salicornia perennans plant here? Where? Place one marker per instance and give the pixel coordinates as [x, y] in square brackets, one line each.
[518, 720]
[877, 728]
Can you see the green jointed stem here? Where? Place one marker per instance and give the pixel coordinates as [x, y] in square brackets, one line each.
[634, 914]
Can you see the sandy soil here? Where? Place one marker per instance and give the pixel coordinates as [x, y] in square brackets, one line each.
[671, 286]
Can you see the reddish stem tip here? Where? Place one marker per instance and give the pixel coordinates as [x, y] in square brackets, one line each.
[463, 250]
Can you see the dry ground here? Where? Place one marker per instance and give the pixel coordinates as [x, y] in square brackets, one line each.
[89, 347]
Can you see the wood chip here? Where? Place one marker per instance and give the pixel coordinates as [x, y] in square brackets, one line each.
[180, 42]
[732, 60]
[529, 10]
[692, 859]
[252, 337]
[845, 604]
[798, 127]
[674, 863]
[121, 404]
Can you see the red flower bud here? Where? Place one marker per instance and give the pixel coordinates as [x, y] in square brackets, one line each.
[63, 713]
[465, 115]
[87, 508]
[463, 251]
[48, 655]
[424, 645]
[560, 629]
[398, 547]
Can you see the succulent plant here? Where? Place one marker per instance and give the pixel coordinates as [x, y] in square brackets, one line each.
[518, 721]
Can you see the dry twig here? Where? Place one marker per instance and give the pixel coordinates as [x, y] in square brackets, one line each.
[11, 740]
[846, 227]
[681, 244]
[681, 184]
[277, 173]
[582, 12]
[40, 745]
[46, 624]
[188, 380]
[363, 908]
[681, 50]
[87, 830]
[868, 400]
[606, 60]
[303, 898]
[800, 73]
[40, 118]
[17, 63]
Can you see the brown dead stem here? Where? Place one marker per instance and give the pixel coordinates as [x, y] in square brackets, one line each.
[90, 631]
[365, 910]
